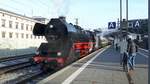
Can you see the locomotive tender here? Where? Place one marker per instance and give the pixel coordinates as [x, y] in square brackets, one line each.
[65, 43]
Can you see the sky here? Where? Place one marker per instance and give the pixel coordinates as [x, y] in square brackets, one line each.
[91, 14]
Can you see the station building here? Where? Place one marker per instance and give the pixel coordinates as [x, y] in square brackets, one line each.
[16, 37]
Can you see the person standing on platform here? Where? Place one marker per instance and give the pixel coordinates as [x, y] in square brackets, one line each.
[116, 42]
[123, 50]
[132, 50]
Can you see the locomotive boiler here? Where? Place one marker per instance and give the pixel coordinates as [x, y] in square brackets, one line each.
[65, 43]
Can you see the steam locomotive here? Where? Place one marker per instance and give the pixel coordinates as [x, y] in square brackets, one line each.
[65, 43]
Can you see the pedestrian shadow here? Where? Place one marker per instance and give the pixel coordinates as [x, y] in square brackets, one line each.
[140, 66]
[129, 77]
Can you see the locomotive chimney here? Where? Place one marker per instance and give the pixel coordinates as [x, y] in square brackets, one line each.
[62, 18]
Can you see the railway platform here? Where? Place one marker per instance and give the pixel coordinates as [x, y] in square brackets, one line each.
[101, 67]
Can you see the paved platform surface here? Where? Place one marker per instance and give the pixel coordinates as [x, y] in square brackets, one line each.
[140, 75]
[101, 67]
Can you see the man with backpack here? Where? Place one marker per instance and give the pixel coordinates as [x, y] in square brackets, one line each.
[131, 50]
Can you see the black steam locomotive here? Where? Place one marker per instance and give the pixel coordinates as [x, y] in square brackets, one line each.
[65, 43]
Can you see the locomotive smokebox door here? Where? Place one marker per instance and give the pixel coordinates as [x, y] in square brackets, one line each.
[39, 29]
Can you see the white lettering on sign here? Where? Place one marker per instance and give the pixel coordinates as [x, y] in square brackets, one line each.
[137, 24]
[111, 25]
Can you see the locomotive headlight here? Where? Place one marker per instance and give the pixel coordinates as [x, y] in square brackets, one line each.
[58, 53]
[51, 26]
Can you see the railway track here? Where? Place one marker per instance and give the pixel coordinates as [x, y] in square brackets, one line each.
[28, 78]
[18, 73]
[10, 68]
[9, 64]
[3, 59]
[33, 78]
[25, 77]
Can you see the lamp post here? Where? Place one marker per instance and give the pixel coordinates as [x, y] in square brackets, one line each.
[127, 15]
[124, 22]
[121, 14]
[149, 40]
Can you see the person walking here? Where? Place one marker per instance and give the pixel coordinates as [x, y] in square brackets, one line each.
[131, 49]
[123, 51]
[117, 43]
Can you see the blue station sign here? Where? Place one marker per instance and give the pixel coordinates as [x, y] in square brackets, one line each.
[111, 25]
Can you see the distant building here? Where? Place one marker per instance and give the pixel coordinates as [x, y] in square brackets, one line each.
[16, 34]
[41, 19]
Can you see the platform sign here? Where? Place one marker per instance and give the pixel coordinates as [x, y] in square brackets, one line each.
[111, 25]
[136, 24]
